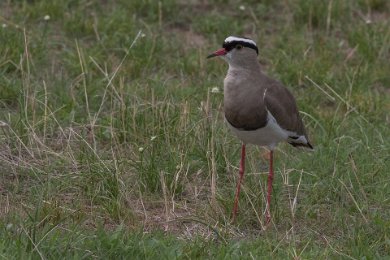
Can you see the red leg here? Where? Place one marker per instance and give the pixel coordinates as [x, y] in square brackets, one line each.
[241, 171]
[270, 179]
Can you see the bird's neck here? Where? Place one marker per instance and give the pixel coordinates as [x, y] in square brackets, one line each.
[244, 72]
[247, 66]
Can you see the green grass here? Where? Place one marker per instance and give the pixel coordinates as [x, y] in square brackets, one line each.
[113, 145]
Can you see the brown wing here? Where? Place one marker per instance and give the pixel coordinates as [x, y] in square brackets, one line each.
[281, 104]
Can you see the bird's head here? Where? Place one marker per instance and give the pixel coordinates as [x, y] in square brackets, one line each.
[237, 51]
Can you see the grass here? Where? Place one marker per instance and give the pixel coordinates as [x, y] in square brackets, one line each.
[113, 143]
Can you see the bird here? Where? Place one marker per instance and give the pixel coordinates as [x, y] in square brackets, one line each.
[258, 109]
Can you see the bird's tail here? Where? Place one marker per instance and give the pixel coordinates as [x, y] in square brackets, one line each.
[305, 145]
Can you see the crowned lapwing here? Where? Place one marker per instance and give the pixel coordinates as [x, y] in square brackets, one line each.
[258, 109]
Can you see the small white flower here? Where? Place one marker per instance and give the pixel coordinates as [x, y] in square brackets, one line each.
[215, 90]
[4, 25]
[153, 137]
[141, 149]
[241, 7]
[46, 17]
[143, 35]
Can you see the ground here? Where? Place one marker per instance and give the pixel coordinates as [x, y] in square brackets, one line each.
[113, 143]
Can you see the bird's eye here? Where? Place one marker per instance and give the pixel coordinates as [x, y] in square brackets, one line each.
[238, 46]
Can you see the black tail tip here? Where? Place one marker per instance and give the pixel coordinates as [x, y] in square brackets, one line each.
[306, 145]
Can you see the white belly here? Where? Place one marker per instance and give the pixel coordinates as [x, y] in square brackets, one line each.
[269, 135]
